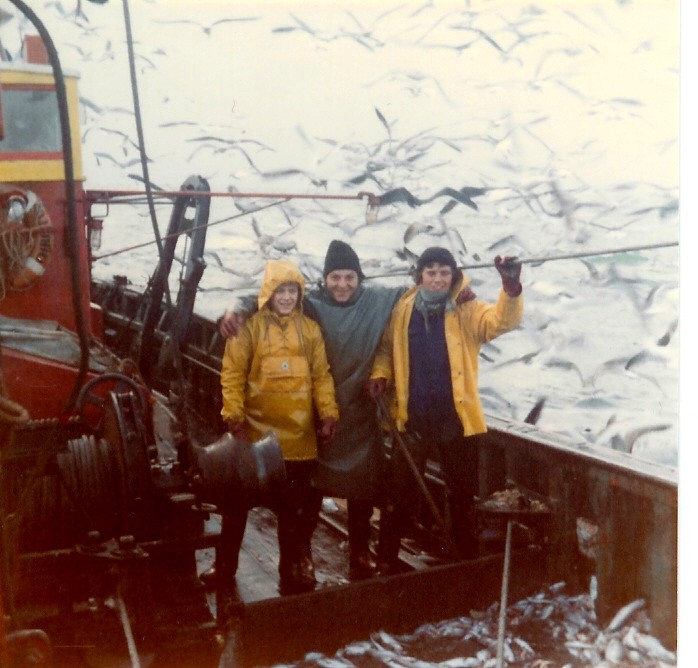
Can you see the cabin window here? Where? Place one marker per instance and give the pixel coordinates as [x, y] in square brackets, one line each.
[30, 119]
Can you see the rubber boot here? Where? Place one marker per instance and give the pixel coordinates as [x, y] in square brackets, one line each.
[389, 542]
[361, 562]
[306, 569]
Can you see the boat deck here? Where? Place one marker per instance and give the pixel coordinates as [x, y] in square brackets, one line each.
[257, 577]
[274, 629]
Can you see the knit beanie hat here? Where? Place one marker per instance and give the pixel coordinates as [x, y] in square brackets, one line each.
[435, 254]
[341, 255]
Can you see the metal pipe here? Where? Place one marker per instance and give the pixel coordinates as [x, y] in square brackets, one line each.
[128, 631]
[95, 196]
[503, 599]
[186, 231]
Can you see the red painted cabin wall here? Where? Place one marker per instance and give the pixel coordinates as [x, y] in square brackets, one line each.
[50, 297]
[43, 385]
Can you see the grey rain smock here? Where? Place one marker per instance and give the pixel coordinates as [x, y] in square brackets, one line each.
[349, 467]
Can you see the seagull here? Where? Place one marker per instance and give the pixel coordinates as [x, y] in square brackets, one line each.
[365, 35]
[126, 140]
[415, 82]
[140, 179]
[101, 110]
[123, 165]
[385, 123]
[556, 362]
[303, 26]
[223, 146]
[481, 35]
[534, 413]
[664, 340]
[371, 167]
[626, 443]
[208, 28]
[464, 196]
[524, 359]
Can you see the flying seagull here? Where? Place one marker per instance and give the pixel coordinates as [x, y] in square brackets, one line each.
[463, 195]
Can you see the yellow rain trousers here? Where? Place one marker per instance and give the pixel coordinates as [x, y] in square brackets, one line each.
[275, 370]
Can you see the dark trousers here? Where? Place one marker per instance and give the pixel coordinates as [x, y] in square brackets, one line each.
[459, 466]
[359, 514]
[228, 550]
[298, 511]
[227, 555]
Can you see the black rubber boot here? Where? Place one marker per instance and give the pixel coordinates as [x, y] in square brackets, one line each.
[389, 542]
[361, 561]
[306, 569]
[361, 564]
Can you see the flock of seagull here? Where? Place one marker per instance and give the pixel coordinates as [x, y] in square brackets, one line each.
[461, 154]
[478, 176]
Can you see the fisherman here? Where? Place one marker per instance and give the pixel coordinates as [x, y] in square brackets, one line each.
[274, 374]
[429, 354]
[352, 317]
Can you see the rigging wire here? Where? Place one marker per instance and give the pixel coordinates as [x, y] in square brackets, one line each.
[534, 261]
[141, 136]
[133, 197]
[176, 352]
[187, 231]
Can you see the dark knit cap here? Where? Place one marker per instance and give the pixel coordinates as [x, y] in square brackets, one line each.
[341, 255]
[435, 254]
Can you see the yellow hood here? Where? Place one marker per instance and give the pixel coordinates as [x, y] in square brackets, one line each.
[276, 273]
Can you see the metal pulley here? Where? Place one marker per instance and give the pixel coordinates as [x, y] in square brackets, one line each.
[230, 474]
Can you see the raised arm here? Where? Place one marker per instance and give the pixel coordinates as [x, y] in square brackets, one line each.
[488, 321]
[509, 269]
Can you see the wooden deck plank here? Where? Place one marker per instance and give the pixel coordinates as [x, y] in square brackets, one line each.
[258, 577]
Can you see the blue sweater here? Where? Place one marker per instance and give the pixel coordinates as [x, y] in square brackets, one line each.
[430, 409]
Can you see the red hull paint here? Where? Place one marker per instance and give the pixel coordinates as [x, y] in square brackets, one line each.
[41, 385]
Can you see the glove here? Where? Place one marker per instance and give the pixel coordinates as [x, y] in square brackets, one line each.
[230, 324]
[509, 269]
[239, 432]
[375, 387]
[464, 296]
[328, 430]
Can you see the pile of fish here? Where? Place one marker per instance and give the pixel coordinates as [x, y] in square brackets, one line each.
[547, 630]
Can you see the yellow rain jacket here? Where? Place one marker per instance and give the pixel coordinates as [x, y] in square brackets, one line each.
[276, 369]
[468, 326]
